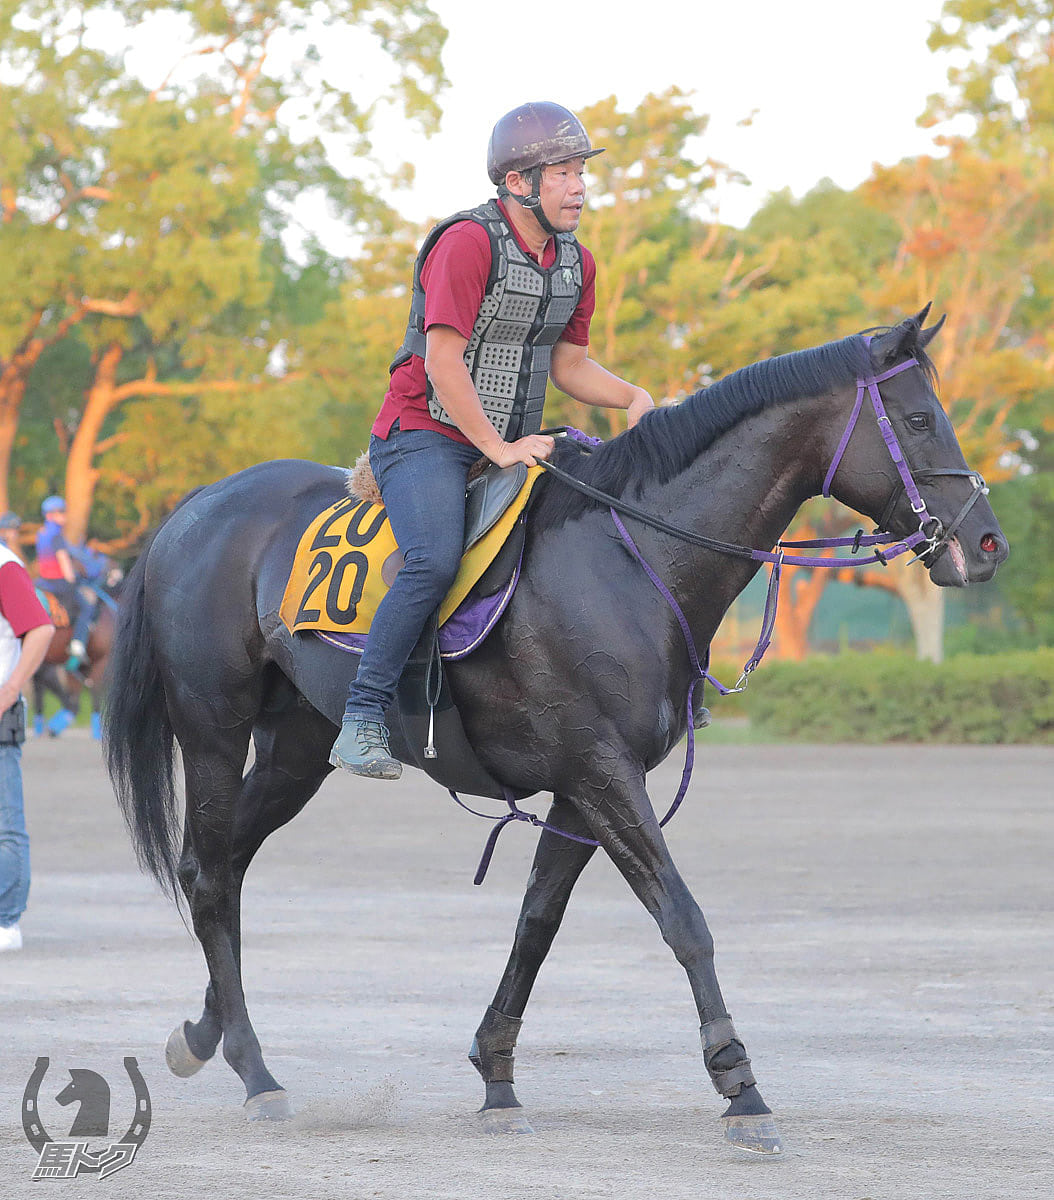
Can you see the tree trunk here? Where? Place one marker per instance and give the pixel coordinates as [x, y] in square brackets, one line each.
[81, 473]
[12, 388]
[801, 595]
[925, 604]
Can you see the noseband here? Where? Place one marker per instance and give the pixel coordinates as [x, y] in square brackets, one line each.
[931, 536]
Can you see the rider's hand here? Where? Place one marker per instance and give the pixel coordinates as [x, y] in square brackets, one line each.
[527, 450]
[640, 404]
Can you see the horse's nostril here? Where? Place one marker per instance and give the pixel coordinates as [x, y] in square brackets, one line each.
[989, 544]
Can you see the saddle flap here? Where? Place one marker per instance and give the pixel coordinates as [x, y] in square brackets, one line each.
[488, 496]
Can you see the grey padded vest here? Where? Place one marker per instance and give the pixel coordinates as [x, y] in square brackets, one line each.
[524, 311]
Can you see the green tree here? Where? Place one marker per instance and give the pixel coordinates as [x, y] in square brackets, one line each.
[155, 220]
[662, 259]
[1006, 84]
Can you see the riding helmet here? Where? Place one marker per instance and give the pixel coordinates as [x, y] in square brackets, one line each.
[536, 135]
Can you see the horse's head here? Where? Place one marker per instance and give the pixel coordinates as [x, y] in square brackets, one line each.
[950, 501]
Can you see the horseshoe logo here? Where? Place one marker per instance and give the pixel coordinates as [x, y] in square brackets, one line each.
[39, 1137]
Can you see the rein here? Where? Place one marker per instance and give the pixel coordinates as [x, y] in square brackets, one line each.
[930, 534]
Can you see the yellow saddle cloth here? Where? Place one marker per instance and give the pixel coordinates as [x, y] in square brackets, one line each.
[348, 558]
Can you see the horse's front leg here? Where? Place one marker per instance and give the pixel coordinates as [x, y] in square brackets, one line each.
[623, 821]
[558, 862]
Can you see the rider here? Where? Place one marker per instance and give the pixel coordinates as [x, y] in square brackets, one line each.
[501, 302]
[59, 576]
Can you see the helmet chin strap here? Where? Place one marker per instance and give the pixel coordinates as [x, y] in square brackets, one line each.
[533, 201]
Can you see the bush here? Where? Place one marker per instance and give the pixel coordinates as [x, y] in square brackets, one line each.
[893, 698]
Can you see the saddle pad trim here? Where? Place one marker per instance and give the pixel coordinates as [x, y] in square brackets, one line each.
[451, 645]
[305, 580]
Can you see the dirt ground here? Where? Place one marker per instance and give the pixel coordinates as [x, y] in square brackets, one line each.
[885, 944]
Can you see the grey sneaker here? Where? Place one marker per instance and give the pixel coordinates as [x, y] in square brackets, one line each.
[362, 748]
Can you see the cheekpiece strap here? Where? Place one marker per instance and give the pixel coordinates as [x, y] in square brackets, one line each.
[870, 385]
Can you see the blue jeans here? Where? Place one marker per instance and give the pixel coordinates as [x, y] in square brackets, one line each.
[14, 841]
[422, 476]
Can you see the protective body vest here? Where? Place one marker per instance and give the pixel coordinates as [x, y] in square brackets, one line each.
[525, 309]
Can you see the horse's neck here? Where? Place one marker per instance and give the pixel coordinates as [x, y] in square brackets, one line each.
[745, 489]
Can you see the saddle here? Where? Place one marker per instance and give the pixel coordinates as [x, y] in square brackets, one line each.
[344, 564]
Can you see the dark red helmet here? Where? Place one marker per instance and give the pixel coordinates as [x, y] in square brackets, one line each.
[536, 135]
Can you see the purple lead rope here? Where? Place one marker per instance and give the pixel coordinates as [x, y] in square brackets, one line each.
[517, 814]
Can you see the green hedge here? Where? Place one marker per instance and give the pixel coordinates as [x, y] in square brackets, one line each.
[893, 698]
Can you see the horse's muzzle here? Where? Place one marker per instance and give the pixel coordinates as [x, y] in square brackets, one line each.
[958, 563]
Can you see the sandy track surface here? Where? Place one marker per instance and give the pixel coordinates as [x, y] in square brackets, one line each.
[885, 944]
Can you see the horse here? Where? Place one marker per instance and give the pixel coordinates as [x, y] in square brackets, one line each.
[68, 686]
[578, 691]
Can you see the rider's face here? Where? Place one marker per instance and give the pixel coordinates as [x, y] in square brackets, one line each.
[563, 192]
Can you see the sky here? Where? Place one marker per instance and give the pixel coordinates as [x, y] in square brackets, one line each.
[833, 85]
[837, 84]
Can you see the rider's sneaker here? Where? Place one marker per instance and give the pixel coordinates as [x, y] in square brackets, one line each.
[362, 748]
[77, 653]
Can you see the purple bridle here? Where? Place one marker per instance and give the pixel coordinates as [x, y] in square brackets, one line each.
[930, 534]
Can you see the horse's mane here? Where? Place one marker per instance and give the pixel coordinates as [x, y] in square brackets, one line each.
[667, 441]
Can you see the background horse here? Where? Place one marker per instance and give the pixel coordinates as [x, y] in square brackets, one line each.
[580, 690]
[68, 686]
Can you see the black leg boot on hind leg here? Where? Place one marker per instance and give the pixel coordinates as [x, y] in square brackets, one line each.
[748, 1121]
[492, 1056]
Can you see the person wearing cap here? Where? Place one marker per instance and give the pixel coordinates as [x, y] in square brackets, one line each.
[59, 576]
[501, 302]
[10, 524]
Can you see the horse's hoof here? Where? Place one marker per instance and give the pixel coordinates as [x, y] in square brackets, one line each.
[182, 1061]
[504, 1120]
[756, 1133]
[269, 1106]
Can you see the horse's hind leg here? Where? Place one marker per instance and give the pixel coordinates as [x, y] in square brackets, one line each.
[292, 745]
[558, 863]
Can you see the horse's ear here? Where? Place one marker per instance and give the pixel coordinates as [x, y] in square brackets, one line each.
[903, 339]
[896, 343]
[919, 319]
[927, 335]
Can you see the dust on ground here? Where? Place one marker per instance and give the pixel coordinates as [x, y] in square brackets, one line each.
[884, 939]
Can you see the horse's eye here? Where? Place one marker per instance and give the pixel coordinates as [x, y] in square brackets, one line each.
[919, 421]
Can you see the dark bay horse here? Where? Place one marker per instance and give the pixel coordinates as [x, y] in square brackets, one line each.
[580, 690]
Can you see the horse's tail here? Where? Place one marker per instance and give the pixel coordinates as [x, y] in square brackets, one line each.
[138, 739]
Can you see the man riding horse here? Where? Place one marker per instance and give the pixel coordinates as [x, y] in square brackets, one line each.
[502, 299]
[58, 575]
